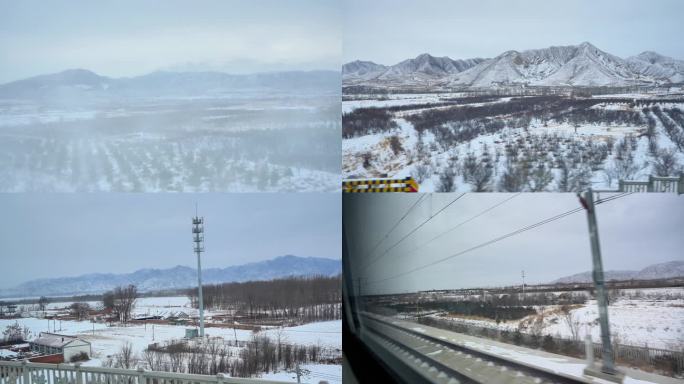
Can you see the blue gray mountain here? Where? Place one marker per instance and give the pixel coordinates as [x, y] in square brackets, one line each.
[655, 271]
[79, 84]
[177, 277]
[572, 65]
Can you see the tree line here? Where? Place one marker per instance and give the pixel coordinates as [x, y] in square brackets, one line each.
[310, 298]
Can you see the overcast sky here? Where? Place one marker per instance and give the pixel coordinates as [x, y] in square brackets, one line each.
[133, 37]
[388, 31]
[57, 235]
[635, 231]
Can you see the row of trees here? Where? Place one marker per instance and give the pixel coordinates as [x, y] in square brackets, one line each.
[259, 355]
[121, 301]
[309, 298]
[366, 121]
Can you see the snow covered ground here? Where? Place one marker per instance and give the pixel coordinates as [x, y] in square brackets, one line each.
[311, 373]
[238, 145]
[652, 320]
[107, 341]
[425, 157]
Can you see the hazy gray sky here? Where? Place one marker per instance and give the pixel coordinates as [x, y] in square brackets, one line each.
[635, 231]
[388, 31]
[133, 37]
[56, 235]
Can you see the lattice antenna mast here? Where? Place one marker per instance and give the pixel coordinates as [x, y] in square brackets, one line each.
[523, 284]
[198, 239]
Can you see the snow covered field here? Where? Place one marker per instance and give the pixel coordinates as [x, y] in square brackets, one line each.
[433, 155]
[107, 341]
[653, 320]
[274, 143]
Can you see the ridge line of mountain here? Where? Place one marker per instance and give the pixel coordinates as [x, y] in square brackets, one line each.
[570, 65]
[149, 279]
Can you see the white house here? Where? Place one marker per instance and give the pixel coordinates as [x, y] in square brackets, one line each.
[67, 346]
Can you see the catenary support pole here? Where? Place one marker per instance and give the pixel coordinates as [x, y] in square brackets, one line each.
[608, 361]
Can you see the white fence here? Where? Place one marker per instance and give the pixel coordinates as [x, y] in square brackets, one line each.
[14, 372]
[654, 184]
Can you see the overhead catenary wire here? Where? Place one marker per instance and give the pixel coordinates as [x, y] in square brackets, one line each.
[369, 253]
[373, 261]
[499, 238]
[463, 222]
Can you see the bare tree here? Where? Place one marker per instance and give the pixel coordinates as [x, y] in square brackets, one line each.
[514, 176]
[477, 173]
[42, 303]
[570, 321]
[80, 310]
[421, 172]
[665, 163]
[125, 357]
[122, 300]
[539, 178]
[446, 181]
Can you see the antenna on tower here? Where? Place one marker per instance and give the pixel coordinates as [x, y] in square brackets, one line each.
[523, 284]
[198, 239]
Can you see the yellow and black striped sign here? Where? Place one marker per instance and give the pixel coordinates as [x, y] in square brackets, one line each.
[380, 185]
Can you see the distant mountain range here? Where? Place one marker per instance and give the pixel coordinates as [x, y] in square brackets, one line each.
[177, 277]
[574, 65]
[79, 84]
[656, 271]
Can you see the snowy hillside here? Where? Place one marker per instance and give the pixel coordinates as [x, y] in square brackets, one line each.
[574, 65]
[178, 277]
[656, 271]
[657, 66]
[420, 70]
[504, 143]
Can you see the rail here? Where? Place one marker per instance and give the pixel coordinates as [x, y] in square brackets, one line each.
[22, 372]
[505, 369]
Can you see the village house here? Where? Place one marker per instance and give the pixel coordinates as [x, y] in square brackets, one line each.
[67, 346]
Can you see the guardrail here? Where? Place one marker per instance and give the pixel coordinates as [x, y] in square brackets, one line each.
[654, 184]
[406, 184]
[15, 372]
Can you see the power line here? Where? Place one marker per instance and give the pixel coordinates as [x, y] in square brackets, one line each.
[500, 238]
[422, 195]
[463, 222]
[373, 261]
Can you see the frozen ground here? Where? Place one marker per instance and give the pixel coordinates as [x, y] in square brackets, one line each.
[256, 144]
[651, 321]
[426, 157]
[311, 373]
[107, 340]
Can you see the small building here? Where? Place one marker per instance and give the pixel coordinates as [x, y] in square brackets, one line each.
[67, 346]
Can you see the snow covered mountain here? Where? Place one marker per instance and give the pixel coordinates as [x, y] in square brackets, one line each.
[657, 66]
[80, 84]
[362, 70]
[177, 277]
[422, 69]
[656, 271]
[574, 65]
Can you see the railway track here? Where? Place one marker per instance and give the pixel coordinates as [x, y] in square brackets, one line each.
[444, 361]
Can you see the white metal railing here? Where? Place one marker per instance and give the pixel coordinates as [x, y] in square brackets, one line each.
[672, 184]
[16, 372]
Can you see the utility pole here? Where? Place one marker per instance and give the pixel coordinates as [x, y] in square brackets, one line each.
[299, 374]
[607, 370]
[198, 239]
[523, 284]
